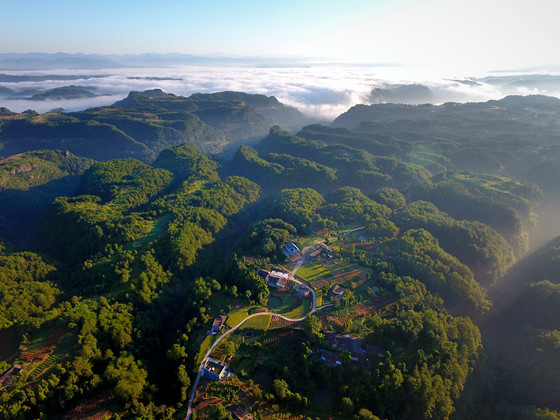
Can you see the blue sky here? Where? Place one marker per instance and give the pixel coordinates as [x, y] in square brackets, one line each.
[459, 33]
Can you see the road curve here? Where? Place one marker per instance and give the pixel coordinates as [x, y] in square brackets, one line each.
[314, 309]
[227, 333]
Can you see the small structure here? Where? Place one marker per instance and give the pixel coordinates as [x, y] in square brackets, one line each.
[8, 377]
[216, 370]
[291, 249]
[336, 291]
[329, 358]
[262, 273]
[277, 279]
[375, 350]
[218, 324]
[356, 346]
[241, 413]
[302, 291]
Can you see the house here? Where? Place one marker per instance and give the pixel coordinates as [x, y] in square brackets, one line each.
[356, 346]
[277, 279]
[302, 291]
[375, 350]
[291, 249]
[218, 324]
[8, 377]
[329, 358]
[215, 370]
[336, 291]
[262, 273]
[241, 412]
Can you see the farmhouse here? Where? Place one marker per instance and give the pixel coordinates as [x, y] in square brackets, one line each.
[347, 343]
[8, 377]
[336, 291]
[302, 291]
[218, 324]
[277, 279]
[356, 346]
[291, 249]
[329, 358]
[215, 370]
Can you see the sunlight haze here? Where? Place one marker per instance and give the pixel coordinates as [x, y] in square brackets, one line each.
[449, 34]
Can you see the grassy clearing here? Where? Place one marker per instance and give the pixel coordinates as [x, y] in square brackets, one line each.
[301, 310]
[312, 271]
[204, 347]
[274, 302]
[319, 298]
[236, 317]
[153, 229]
[261, 322]
[289, 302]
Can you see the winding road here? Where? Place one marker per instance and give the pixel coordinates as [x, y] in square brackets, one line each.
[227, 333]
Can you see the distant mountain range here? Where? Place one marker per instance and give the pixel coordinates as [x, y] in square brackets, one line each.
[79, 61]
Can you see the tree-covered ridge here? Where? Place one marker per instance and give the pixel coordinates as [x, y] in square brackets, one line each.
[28, 170]
[143, 257]
[523, 333]
[348, 204]
[186, 163]
[418, 254]
[128, 183]
[285, 159]
[514, 136]
[26, 287]
[475, 244]
[279, 171]
[506, 204]
[145, 123]
[29, 182]
[133, 243]
[85, 138]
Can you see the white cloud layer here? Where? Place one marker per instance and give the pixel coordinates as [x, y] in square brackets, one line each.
[322, 91]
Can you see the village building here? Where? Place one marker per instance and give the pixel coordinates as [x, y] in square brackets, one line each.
[216, 370]
[8, 377]
[240, 412]
[291, 249]
[356, 346]
[302, 291]
[277, 279]
[262, 273]
[218, 324]
[336, 291]
[329, 358]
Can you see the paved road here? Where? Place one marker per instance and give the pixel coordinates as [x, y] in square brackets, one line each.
[227, 333]
[314, 309]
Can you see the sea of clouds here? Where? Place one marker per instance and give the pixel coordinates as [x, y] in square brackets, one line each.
[321, 91]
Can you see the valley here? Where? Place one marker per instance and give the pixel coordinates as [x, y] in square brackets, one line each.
[382, 266]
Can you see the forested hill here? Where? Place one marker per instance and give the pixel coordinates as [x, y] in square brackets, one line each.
[144, 123]
[124, 238]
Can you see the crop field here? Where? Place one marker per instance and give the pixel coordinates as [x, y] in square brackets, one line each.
[257, 323]
[236, 317]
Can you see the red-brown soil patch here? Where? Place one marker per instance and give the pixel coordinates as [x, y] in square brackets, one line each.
[319, 283]
[384, 300]
[362, 309]
[90, 408]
